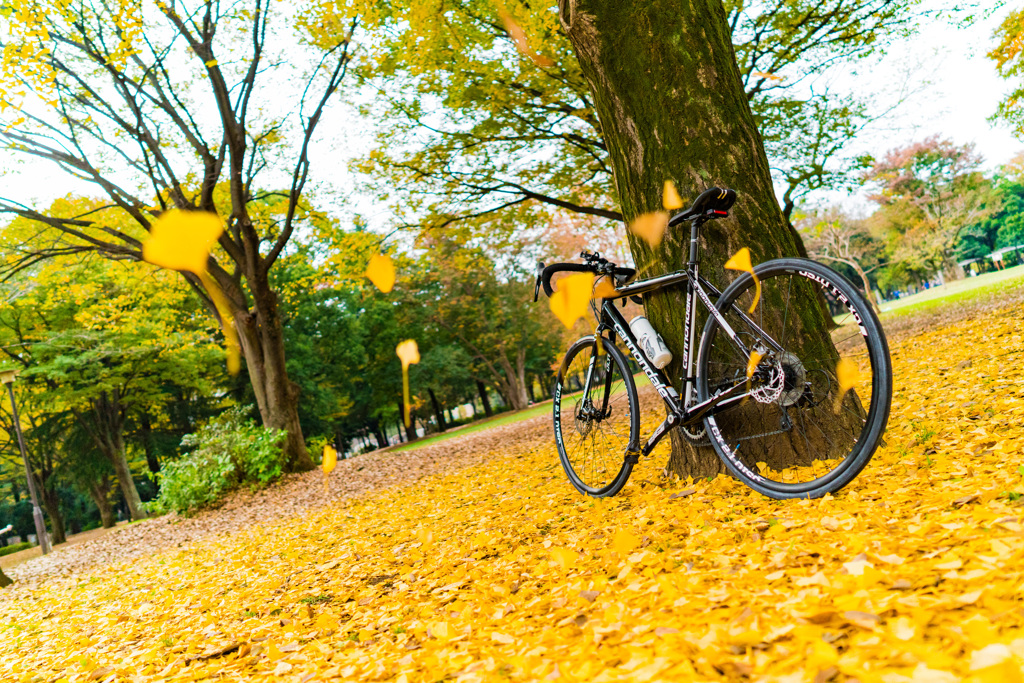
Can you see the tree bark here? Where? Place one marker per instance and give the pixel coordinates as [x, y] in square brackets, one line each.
[99, 491]
[410, 429]
[262, 344]
[51, 503]
[5, 580]
[671, 104]
[482, 390]
[106, 426]
[146, 429]
[438, 413]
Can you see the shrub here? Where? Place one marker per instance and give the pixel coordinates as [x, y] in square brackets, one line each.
[228, 452]
[10, 549]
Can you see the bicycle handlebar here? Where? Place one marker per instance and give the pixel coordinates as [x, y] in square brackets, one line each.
[545, 273]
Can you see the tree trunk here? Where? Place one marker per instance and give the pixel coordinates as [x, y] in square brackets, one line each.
[410, 429]
[438, 413]
[51, 503]
[99, 491]
[515, 381]
[107, 430]
[146, 429]
[5, 581]
[672, 107]
[482, 390]
[262, 344]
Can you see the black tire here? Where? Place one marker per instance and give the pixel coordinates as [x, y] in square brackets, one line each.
[595, 429]
[799, 436]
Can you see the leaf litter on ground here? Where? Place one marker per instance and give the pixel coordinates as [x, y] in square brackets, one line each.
[493, 568]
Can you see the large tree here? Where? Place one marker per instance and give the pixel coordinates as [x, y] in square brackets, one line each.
[187, 105]
[671, 102]
[472, 128]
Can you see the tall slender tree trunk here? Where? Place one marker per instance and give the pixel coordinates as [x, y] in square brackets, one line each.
[438, 413]
[672, 107]
[146, 430]
[106, 426]
[262, 344]
[410, 429]
[51, 502]
[99, 491]
[482, 390]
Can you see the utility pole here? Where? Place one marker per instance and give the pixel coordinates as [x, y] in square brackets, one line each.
[7, 377]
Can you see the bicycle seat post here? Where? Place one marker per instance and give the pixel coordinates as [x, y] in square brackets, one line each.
[694, 231]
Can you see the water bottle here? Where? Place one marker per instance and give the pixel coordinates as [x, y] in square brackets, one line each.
[650, 342]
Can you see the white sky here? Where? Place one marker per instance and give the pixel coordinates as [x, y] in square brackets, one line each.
[956, 90]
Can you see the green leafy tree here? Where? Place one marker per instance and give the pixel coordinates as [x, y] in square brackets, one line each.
[186, 106]
[930, 191]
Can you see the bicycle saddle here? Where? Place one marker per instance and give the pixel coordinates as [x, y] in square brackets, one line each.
[713, 199]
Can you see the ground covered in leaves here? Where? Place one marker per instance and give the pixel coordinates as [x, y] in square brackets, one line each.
[500, 571]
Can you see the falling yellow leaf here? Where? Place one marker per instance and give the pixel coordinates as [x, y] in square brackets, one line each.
[564, 558]
[848, 375]
[569, 303]
[670, 198]
[518, 36]
[650, 227]
[409, 353]
[755, 358]
[328, 462]
[381, 271]
[604, 289]
[181, 240]
[741, 261]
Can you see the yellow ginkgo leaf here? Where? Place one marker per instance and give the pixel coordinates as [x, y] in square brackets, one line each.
[848, 376]
[181, 240]
[381, 272]
[624, 542]
[741, 261]
[670, 198]
[228, 322]
[755, 358]
[604, 289]
[409, 353]
[328, 462]
[650, 227]
[564, 558]
[570, 302]
[330, 458]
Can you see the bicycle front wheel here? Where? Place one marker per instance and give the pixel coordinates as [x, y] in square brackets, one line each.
[596, 417]
[818, 391]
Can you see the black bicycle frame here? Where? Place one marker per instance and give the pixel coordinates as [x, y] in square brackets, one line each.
[696, 288]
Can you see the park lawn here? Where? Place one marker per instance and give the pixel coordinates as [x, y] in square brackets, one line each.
[502, 572]
[956, 292]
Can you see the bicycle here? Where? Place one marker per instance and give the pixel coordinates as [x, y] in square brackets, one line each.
[762, 388]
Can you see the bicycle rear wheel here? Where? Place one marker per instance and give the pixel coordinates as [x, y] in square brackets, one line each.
[798, 434]
[596, 417]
